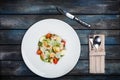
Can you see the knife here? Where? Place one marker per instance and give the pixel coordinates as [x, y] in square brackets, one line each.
[69, 15]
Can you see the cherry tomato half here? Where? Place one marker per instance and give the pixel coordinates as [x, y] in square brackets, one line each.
[48, 35]
[39, 52]
[55, 60]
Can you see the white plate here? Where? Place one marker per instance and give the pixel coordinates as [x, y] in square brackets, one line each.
[30, 46]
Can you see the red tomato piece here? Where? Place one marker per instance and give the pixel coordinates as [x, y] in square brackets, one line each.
[48, 35]
[39, 52]
[55, 60]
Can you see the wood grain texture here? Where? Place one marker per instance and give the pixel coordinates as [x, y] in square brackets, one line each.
[15, 36]
[16, 16]
[48, 7]
[13, 52]
[25, 21]
[18, 68]
[89, 77]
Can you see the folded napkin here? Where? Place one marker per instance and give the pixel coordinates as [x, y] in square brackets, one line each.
[97, 56]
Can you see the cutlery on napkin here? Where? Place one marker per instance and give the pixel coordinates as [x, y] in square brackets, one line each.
[95, 41]
[97, 53]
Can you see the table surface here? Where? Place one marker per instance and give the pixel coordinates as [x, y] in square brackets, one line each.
[16, 16]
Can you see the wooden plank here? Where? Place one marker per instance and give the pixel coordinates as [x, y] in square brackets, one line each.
[18, 68]
[8, 52]
[48, 7]
[15, 36]
[13, 52]
[25, 21]
[87, 77]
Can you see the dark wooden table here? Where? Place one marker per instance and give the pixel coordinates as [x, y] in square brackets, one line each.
[16, 16]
